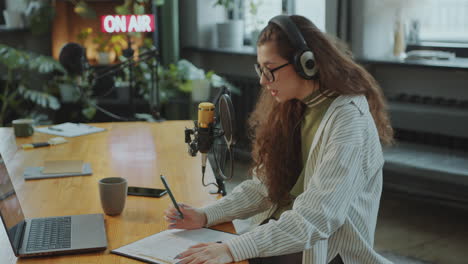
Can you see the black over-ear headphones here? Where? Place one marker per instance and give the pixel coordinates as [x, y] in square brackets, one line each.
[303, 60]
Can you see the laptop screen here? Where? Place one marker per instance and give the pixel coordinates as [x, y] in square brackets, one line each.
[10, 209]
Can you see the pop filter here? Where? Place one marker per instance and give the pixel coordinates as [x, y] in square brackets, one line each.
[221, 155]
[227, 118]
[73, 58]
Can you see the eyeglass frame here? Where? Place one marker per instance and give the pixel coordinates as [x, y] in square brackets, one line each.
[260, 71]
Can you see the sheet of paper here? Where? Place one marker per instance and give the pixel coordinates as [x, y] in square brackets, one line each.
[62, 166]
[164, 246]
[69, 129]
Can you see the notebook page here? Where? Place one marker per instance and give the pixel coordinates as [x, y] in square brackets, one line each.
[164, 246]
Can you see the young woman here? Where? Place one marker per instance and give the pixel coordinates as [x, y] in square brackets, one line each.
[317, 130]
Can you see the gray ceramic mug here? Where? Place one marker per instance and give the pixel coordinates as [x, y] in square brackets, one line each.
[113, 192]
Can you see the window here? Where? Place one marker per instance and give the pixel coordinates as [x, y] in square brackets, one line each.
[313, 10]
[257, 13]
[441, 20]
[256, 19]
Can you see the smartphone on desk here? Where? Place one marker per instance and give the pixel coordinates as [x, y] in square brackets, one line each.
[142, 191]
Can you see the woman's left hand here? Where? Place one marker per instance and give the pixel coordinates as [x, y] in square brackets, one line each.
[206, 253]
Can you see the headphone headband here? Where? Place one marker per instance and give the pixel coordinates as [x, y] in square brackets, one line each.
[291, 30]
[303, 60]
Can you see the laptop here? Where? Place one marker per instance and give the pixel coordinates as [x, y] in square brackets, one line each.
[47, 236]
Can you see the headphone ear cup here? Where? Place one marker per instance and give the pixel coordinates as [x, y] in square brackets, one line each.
[307, 64]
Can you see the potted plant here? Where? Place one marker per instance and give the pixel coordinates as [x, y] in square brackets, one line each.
[256, 22]
[230, 32]
[29, 78]
[39, 16]
[178, 84]
[14, 13]
[84, 35]
[108, 47]
[13, 18]
[76, 94]
[183, 83]
[83, 9]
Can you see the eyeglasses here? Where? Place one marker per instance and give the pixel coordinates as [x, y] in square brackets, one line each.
[268, 73]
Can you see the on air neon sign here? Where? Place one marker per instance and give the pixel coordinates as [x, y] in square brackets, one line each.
[127, 23]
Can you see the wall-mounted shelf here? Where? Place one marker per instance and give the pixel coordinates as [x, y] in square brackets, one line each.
[3, 28]
[245, 50]
[456, 63]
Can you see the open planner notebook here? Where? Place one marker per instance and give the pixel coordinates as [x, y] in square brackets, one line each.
[161, 248]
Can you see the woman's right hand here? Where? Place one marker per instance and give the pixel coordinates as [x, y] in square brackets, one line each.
[194, 218]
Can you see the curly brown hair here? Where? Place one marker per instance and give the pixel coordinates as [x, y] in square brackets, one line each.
[274, 126]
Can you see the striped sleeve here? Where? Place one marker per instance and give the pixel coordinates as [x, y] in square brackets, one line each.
[247, 199]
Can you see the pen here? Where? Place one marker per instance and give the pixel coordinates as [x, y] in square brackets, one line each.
[163, 179]
[55, 129]
[35, 145]
[52, 141]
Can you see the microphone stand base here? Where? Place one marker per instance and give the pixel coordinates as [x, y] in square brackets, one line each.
[221, 188]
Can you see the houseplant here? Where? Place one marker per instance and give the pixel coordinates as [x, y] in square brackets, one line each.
[256, 22]
[39, 16]
[77, 95]
[177, 83]
[185, 84]
[108, 47]
[29, 78]
[83, 9]
[231, 32]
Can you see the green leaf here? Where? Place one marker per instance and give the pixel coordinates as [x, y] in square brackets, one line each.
[158, 2]
[44, 64]
[53, 102]
[84, 34]
[186, 87]
[40, 19]
[228, 4]
[217, 82]
[209, 75]
[138, 9]
[13, 58]
[84, 10]
[122, 10]
[145, 116]
[44, 101]
[89, 112]
[40, 98]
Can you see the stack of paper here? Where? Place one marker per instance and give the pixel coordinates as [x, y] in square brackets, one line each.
[69, 129]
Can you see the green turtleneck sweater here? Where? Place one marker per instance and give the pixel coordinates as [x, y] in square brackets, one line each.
[317, 104]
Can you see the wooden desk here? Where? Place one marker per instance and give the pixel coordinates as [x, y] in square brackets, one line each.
[137, 151]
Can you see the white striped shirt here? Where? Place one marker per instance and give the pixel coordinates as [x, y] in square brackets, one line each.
[336, 213]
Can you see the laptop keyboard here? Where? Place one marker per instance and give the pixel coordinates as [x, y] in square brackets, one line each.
[49, 233]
